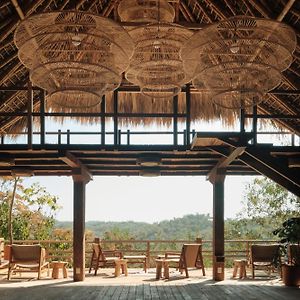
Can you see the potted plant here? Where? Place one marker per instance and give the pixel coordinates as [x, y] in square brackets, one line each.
[289, 234]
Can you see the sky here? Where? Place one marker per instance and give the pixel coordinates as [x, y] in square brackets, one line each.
[145, 199]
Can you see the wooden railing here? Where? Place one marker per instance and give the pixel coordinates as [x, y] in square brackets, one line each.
[63, 249]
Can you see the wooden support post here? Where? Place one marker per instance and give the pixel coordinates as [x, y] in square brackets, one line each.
[42, 118]
[79, 229]
[68, 137]
[59, 136]
[128, 137]
[115, 118]
[188, 113]
[119, 137]
[218, 226]
[254, 125]
[242, 120]
[103, 120]
[175, 120]
[81, 176]
[29, 114]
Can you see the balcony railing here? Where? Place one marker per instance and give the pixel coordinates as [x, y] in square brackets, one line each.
[63, 249]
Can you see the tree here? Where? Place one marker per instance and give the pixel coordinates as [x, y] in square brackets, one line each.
[30, 210]
[266, 199]
[266, 206]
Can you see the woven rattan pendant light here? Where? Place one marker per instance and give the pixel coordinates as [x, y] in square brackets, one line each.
[146, 11]
[239, 59]
[156, 65]
[75, 56]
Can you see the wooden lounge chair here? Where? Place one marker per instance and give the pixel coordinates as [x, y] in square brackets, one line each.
[263, 257]
[106, 258]
[293, 252]
[27, 258]
[189, 257]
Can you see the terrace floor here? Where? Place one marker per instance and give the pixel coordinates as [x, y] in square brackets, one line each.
[138, 285]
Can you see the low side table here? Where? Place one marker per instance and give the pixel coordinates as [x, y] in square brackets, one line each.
[162, 263]
[59, 265]
[239, 263]
[120, 263]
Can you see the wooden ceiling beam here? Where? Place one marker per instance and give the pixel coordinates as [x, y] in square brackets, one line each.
[224, 163]
[285, 10]
[261, 9]
[28, 9]
[79, 170]
[186, 11]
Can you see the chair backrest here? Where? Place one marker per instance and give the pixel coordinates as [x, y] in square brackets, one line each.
[26, 253]
[98, 253]
[190, 254]
[1, 250]
[293, 253]
[264, 253]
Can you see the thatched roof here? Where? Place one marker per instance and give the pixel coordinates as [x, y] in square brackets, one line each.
[192, 13]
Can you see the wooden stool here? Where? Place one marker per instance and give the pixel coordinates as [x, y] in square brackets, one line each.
[240, 263]
[59, 265]
[121, 264]
[137, 259]
[162, 263]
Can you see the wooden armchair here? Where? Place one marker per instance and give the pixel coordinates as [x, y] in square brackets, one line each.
[107, 258]
[27, 258]
[189, 257]
[263, 257]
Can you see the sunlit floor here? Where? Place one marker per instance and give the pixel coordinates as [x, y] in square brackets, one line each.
[140, 285]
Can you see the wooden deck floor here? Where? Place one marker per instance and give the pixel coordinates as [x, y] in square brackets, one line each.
[139, 285]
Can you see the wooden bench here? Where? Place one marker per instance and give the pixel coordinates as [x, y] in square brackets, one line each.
[137, 259]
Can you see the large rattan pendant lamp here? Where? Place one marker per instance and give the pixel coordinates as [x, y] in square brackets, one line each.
[156, 65]
[75, 56]
[239, 59]
[147, 11]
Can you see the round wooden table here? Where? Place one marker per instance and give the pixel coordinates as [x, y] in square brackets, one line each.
[59, 265]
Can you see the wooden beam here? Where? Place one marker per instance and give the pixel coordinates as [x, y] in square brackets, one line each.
[175, 120]
[29, 114]
[42, 117]
[262, 161]
[188, 114]
[115, 102]
[79, 230]
[294, 162]
[285, 10]
[223, 163]
[218, 226]
[79, 171]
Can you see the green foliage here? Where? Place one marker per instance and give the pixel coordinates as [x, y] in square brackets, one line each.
[289, 233]
[33, 212]
[268, 203]
[188, 227]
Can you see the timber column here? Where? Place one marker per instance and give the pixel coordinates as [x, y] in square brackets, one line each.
[79, 229]
[81, 176]
[218, 225]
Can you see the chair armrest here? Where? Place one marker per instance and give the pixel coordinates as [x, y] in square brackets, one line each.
[43, 255]
[172, 253]
[114, 253]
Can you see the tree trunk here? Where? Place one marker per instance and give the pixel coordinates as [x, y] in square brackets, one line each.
[11, 205]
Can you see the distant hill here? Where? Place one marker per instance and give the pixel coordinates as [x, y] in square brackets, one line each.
[187, 227]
